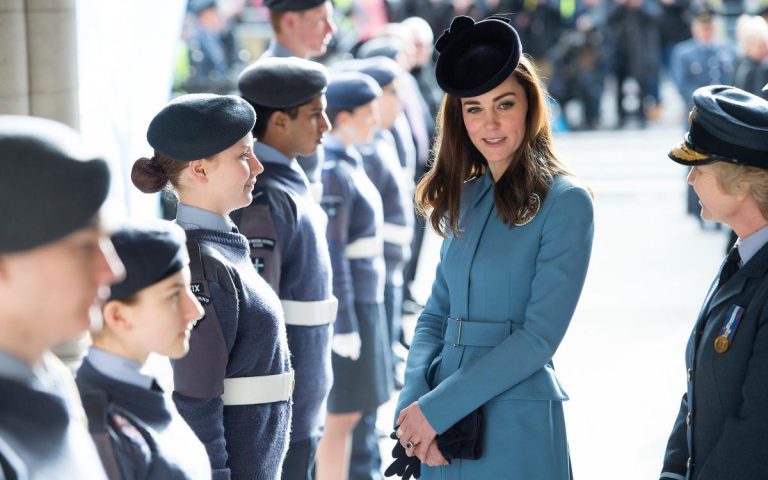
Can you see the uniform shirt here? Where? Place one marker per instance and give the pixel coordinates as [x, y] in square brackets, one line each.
[383, 168]
[241, 335]
[355, 219]
[136, 426]
[42, 423]
[193, 218]
[285, 228]
[750, 245]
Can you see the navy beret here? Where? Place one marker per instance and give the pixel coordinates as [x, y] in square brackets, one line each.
[382, 69]
[50, 184]
[200, 125]
[282, 82]
[475, 58]
[151, 251]
[349, 90]
[726, 125]
[292, 5]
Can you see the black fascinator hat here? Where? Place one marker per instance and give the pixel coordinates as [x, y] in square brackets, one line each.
[476, 57]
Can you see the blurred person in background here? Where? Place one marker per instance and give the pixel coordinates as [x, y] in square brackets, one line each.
[499, 195]
[361, 353]
[719, 430]
[212, 50]
[752, 67]
[136, 427]
[234, 386]
[56, 262]
[285, 228]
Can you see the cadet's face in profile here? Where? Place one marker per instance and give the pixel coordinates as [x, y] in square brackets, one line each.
[365, 120]
[390, 105]
[716, 205]
[307, 129]
[162, 317]
[231, 175]
[495, 122]
[57, 288]
[316, 27]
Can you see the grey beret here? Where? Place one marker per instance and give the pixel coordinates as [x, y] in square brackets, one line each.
[292, 5]
[282, 82]
[349, 90]
[727, 124]
[382, 69]
[200, 125]
[388, 47]
[50, 185]
[151, 251]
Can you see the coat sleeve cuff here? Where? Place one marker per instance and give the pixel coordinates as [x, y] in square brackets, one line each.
[671, 476]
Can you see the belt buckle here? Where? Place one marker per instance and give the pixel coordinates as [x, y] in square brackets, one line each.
[458, 333]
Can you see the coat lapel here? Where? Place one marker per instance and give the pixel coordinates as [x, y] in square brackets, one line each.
[755, 268]
[471, 225]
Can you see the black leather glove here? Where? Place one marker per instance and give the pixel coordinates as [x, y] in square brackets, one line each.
[464, 439]
[404, 466]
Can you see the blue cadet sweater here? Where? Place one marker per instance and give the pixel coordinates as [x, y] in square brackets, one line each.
[42, 432]
[383, 168]
[241, 335]
[138, 431]
[355, 220]
[285, 228]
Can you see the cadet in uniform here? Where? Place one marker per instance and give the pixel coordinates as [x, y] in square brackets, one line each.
[136, 428]
[302, 28]
[54, 258]
[285, 227]
[234, 385]
[719, 433]
[361, 363]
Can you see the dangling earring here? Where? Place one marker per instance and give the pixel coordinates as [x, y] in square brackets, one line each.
[528, 212]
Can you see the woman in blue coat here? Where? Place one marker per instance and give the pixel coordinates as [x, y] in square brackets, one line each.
[518, 235]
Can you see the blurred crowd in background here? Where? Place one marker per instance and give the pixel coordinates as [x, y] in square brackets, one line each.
[584, 48]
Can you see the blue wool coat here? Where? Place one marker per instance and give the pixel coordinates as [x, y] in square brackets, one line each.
[515, 290]
[719, 433]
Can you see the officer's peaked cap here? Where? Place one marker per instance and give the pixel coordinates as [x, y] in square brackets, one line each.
[726, 124]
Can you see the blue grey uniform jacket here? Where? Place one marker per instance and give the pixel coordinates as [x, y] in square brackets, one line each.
[285, 228]
[241, 335]
[720, 431]
[43, 429]
[355, 219]
[383, 168]
[502, 300]
[695, 65]
[138, 432]
[311, 164]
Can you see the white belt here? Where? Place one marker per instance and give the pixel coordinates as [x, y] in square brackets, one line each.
[316, 190]
[397, 234]
[365, 247]
[308, 314]
[256, 390]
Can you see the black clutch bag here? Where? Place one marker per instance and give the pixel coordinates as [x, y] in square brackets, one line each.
[465, 439]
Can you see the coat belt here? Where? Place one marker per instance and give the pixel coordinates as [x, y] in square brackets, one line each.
[310, 314]
[460, 332]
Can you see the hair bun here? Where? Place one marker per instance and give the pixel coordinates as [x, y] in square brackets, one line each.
[148, 175]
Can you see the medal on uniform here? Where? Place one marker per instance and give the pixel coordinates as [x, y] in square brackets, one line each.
[732, 319]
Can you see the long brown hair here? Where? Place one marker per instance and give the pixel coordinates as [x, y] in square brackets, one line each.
[533, 167]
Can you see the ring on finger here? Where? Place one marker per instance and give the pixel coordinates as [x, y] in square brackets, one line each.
[409, 445]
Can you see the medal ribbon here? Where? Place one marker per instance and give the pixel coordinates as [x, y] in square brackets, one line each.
[732, 322]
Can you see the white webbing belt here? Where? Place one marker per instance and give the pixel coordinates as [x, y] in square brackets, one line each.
[397, 234]
[365, 247]
[309, 314]
[256, 390]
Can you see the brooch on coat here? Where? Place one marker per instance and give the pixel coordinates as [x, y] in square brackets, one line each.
[730, 324]
[528, 212]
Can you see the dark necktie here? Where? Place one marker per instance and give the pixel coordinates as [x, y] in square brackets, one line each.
[730, 266]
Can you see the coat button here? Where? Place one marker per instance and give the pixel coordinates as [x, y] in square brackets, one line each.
[688, 418]
[690, 374]
[689, 465]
